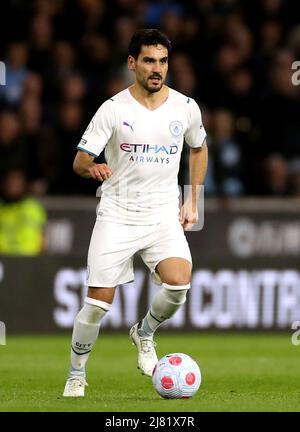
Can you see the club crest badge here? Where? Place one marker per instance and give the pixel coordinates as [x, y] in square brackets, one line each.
[176, 128]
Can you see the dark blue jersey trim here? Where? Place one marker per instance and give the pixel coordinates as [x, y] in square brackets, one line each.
[87, 151]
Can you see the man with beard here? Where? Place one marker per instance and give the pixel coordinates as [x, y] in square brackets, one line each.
[142, 130]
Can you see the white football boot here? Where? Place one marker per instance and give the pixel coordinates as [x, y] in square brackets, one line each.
[75, 387]
[147, 357]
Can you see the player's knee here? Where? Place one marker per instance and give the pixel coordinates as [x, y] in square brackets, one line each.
[178, 278]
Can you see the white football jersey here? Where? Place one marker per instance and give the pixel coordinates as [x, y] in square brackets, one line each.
[142, 149]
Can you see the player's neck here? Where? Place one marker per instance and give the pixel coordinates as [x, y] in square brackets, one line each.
[149, 100]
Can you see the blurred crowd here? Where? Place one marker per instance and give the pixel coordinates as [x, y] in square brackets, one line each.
[65, 57]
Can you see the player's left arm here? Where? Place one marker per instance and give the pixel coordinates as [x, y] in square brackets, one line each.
[198, 161]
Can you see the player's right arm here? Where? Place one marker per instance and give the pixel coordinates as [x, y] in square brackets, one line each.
[93, 142]
[85, 166]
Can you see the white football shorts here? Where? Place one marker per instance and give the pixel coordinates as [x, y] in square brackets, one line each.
[113, 246]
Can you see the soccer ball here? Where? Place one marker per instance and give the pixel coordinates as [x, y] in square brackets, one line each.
[176, 376]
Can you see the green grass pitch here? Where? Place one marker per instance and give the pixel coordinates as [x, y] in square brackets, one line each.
[240, 372]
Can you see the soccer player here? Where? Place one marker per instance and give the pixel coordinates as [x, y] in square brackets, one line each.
[142, 130]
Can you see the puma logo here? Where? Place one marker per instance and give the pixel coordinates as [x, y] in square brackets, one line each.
[127, 124]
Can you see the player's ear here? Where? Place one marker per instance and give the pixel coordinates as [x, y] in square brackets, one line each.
[131, 63]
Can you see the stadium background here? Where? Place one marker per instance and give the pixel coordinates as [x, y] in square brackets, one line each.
[63, 58]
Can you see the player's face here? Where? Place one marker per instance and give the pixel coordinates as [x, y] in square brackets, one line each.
[151, 67]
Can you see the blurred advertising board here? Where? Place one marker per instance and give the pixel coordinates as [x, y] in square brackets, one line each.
[44, 294]
[246, 273]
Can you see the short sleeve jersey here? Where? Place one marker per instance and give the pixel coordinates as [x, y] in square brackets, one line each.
[143, 149]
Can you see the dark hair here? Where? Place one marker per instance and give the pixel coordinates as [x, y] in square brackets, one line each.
[147, 37]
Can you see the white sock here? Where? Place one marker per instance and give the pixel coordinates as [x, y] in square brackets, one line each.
[165, 303]
[85, 333]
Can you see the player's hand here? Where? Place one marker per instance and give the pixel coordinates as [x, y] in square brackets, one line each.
[100, 172]
[188, 216]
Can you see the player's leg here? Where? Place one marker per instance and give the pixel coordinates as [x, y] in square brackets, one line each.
[87, 324]
[174, 271]
[109, 264]
[169, 259]
[85, 333]
[175, 275]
